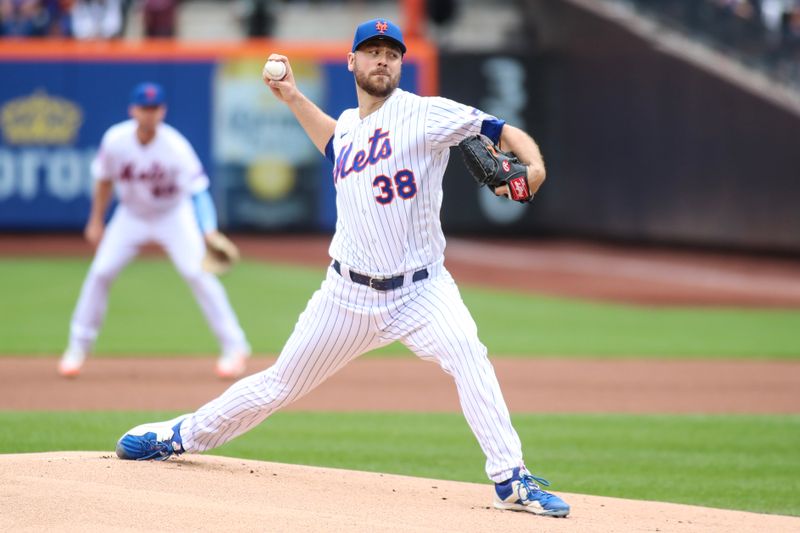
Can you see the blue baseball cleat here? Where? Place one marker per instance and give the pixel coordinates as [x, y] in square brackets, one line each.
[522, 493]
[158, 441]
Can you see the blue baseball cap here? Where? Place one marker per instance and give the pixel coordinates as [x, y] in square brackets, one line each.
[378, 29]
[148, 94]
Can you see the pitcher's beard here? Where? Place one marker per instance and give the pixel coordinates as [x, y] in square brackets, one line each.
[377, 87]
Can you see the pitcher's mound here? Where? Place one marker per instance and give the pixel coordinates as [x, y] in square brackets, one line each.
[95, 491]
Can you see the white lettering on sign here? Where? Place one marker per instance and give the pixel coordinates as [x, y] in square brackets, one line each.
[62, 173]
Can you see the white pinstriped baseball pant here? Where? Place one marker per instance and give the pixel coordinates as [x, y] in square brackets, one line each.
[344, 320]
[178, 234]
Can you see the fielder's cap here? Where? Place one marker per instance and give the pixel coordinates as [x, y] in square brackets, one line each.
[378, 29]
[148, 94]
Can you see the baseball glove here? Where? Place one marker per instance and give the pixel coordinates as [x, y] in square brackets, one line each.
[221, 253]
[491, 166]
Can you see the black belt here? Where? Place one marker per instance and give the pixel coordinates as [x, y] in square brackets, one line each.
[381, 284]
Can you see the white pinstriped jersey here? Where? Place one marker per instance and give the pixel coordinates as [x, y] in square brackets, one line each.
[153, 178]
[388, 175]
[388, 170]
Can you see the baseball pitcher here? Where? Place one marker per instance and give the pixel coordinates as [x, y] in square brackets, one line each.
[387, 281]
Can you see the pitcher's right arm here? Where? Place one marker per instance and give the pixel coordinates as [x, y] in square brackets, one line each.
[318, 125]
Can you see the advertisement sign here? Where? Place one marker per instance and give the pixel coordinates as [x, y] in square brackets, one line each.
[266, 167]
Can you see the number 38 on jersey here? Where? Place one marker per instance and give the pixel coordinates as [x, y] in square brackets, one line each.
[402, 184]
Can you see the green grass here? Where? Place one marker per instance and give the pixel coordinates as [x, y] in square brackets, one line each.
[151, 311]
[733, 462]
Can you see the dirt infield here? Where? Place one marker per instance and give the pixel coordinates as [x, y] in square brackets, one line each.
[539, 385]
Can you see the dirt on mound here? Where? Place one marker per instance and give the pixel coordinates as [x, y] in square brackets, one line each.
[95, 491]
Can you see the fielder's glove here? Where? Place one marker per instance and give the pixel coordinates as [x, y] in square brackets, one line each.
[491, 166]
[221, 253]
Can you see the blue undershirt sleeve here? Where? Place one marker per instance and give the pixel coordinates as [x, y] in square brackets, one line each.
[205, 211]
[329, 151]
[492, 127]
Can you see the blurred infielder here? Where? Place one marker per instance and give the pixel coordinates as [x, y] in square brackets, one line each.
[387, 281]
[163, 198]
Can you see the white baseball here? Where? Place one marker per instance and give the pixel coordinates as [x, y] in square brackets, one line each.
[274, 70]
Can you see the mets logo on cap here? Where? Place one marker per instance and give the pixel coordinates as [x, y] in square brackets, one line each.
[380, 29]
[150, 93]
[147, 94]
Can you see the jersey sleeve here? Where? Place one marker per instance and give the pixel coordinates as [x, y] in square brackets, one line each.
[195, 177]
[447, 123]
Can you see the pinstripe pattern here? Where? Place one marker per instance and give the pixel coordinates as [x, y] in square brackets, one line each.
[382, 234]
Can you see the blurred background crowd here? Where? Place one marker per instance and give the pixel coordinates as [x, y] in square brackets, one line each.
[107, 19]
[764, 34]
[83, 19]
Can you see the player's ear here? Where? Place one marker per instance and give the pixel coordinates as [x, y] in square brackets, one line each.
[351, 59]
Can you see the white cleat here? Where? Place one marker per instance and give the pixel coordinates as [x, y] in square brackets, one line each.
[71, 362]
[233, 364]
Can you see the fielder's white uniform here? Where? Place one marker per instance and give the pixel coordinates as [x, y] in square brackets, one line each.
[154, 184]
[388, 170]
